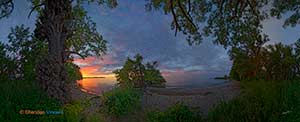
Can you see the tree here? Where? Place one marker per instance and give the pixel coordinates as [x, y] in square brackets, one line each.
[6, 64]
[73, 71]
[135, 74]
[283, 6]
[225, 20]
[67, 30]
[65, 33]
[281, 62]
[25, 51]
[153, 76]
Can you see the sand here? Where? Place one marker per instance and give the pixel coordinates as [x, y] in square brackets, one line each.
[201, 98]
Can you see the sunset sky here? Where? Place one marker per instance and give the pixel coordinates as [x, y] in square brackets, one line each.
[130, 30]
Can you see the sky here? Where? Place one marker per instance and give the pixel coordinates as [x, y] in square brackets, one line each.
[129, 30]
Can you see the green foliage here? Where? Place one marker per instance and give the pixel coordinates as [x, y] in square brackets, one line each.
[281, 7]
[271, 62]
[153, 76]
[227, 21]
[291, 102]
[6, 64]
[72, 111]
[176, 113]
[261, 101]
[26, 95]
[136, 74]
[21, 95]
[85, 40]
[93, 117]
[121, 101]
[25, 52]
[73, 71]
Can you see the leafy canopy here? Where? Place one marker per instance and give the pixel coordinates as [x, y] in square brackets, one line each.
[136, 74]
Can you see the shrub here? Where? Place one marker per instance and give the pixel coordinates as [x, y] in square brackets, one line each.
[25, 95]
[176, 113]
[93, 117]
[291, 102]
[261, 101]
[121, 101]
[72, 111]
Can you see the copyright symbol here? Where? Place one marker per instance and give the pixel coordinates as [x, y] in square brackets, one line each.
[21, 112]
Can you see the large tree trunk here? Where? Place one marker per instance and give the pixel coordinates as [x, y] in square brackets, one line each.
[53, 27]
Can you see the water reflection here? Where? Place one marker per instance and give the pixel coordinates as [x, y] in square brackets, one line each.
[190, 80]
[97, 85]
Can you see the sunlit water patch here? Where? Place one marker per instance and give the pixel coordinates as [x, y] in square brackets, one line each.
[98, 85]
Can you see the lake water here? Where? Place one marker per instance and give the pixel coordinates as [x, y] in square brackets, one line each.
[98, 85]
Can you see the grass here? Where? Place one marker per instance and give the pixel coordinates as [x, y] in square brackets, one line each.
[26, 95]
[261, 101]
[176, 113]
[21, 95]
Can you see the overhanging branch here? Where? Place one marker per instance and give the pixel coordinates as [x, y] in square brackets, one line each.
[174, 17]
[73, 52]
[186, 15]
[33, 8]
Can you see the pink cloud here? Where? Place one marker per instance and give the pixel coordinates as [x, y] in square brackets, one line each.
[92, 66]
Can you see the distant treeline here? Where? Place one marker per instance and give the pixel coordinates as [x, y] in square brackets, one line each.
[92, 77]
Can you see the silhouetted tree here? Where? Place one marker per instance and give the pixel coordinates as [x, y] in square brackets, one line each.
[25, 51]
[65, 27]
[135, 74]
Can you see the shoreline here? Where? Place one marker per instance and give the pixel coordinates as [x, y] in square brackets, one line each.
[160, 99]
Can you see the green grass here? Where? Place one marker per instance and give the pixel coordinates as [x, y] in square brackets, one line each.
[26, 95]
[20, 95]
[261, 101]
[176, 113]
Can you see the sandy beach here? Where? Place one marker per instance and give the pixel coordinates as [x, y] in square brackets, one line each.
[199, 98]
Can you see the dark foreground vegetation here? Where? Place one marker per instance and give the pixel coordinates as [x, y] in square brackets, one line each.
[261, 101]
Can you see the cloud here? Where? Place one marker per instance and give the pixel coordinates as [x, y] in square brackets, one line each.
[130, 30]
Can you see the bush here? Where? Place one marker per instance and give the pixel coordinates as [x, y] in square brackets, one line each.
[291, 102]
[21, 95]
[261, 101]
[176, 113]
[121, 101]
[93, 117]
[72, 111]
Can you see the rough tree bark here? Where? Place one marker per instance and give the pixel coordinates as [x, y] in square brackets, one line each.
[52, 27]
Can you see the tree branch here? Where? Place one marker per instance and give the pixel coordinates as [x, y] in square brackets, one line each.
[174, 17]
[189, 5]
[187, 16]
[39, 5]
[73, 52]
[6, 4]
[252, 8]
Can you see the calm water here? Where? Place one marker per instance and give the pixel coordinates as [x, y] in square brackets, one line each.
[97, 85]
